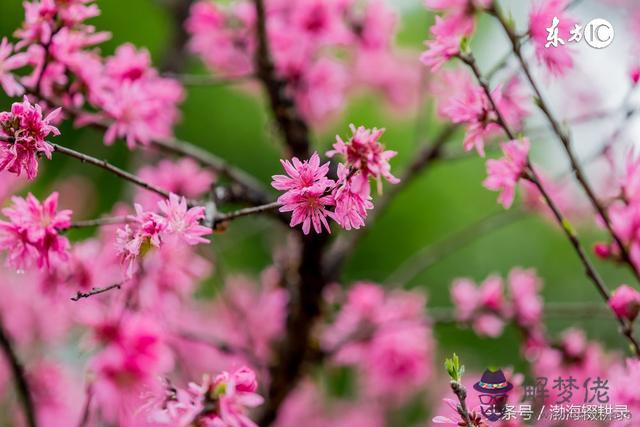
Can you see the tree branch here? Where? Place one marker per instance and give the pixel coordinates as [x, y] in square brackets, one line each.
[95, 291]
[564, 223]
[564, 139]
[19, 377]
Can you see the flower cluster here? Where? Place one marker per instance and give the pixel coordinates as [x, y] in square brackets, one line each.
[309, 194]
[23, 133]
[149, 229]
[450, 29]
[486, 308]
[385, 335]
[556, 60]
[320, 49]
[32, 232]
[223, 400]
[624, 214]
[60, 48]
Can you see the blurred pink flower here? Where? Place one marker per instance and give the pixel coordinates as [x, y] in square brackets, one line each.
[625, 302]
[557, 60]
[504, 174]
[9, 63]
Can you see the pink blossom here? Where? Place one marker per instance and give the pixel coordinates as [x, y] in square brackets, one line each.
[182, 177]
[385, 336]
[223, 38]
[135, 353]
[182, 222]
[136, 238]
[481, 306]
[26, 131]
[634, 75]
[305, 196]
[352, 198]
[9, 63]
[504, 174]
[524, 288]
[444, 46]
[557, 59]
[308, 207]
[622, 381]
[625, 302]
[363, 151]
[216, 402]
[302, 175]
[32, 233]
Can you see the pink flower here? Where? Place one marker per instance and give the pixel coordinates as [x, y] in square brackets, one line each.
[135, 239]
[363, 151]
[32, 233]
[306, 193]
[634, 74]
[504, 174]
[444, 46]
[625, 302]
[135, 354]
[302, 175]
[182, 177]
[216, 402]
[352, 198]
[26, 131]
[309, 206]
[384, 335]
[183, 222]
[527, 304]
[481, 306]
[557, 59]
[7, 64]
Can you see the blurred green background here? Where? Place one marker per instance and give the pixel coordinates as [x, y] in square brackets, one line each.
[449, 197]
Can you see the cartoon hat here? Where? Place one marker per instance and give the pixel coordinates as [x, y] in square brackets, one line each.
[493, 382]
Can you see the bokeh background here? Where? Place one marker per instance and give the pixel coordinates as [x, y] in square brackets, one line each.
[446, 199]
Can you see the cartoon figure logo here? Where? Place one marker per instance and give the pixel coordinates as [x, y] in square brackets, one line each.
[493, 388]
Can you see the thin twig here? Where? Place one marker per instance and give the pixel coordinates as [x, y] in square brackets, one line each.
[86, 412]
[95, 291]
[100, 222]
[208, 80]
[246, 212]
[564, 223]
[564, 139]
[19, 376]
[85, 158]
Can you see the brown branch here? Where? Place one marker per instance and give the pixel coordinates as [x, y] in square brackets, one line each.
[223, 217]
[19, 377]
[245, 187]
[103, 164]
[95, 291]
[208, 80]
[291, 124]
[564, 139]
[100, 222]
[305, 290]
[531, 175]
